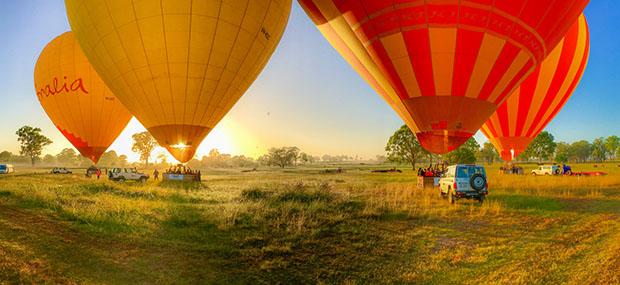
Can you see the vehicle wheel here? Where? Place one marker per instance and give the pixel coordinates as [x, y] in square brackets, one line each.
[121, 180]
[142, 180]
[533, 173]
[451, 198]
[477, 182]
[481, 199]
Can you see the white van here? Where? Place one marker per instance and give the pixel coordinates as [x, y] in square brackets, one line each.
[6, 168]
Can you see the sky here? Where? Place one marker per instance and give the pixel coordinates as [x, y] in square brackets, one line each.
[307, 96]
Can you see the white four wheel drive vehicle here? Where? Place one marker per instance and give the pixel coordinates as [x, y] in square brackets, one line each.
[124, 174]
[547, 170]
[464, 181]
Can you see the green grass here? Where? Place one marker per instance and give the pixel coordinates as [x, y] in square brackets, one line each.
[298, 226]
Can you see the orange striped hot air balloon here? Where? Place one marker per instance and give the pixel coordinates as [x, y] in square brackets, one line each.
[179, 66]
[541, 96]
[76, 99]
[443, 65]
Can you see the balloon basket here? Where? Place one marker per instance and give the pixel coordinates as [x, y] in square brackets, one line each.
[181, 177]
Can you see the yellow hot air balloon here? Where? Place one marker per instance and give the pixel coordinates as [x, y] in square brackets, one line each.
[179, 65]
[76, 99]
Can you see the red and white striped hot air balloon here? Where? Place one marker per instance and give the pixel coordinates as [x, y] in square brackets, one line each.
[444, 65]
[541, 96]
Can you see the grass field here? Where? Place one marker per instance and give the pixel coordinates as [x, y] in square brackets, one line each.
[298, 226]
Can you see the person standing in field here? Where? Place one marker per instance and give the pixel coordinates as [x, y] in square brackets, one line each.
[155, 174]
[98, 173]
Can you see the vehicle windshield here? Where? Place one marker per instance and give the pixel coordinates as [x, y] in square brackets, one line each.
[2, 167]
[468, 171]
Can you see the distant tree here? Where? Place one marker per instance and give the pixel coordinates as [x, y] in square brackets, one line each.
[488, 153]
[304, 158]
[283, 156]
[67, 157]
[465, 153]
[242, 161]
[143, 144]
[31, 142]
[611, 144]
[380, 158]
[194, 163]
[49, 159]
[599, 151]
[581, 151]
[563, 152]
[162, 160]
[542, 147]
[6, 157]
[109, 158]
[404, 147]
[122, 160]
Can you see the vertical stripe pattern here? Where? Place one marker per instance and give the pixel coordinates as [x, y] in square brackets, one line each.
[541, 96]
[445, 66]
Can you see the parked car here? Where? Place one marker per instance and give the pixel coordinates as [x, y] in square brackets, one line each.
[124, 174]
[6, 168]
[60, 170]
[547, 170]
[91, 171]
[464, 181]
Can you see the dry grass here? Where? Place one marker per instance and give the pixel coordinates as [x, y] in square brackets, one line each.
[300, 226]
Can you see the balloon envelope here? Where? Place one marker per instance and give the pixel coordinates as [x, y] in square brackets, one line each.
[541, 96]
[76, 99]
[179, 66]
[444, 66]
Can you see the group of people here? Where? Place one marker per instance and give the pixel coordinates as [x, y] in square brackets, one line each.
[510, 168]
[432, 171]
[182, 170]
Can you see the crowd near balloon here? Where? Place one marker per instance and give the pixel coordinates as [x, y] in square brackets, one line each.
[447, 68]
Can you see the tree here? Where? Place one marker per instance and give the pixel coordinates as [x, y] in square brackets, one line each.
[465, 154]
[380, 158]
[283, 156]
[122, 160]
[31, 142]
[6, 157]
[67, 156]
[488, 153]
[611, 144]
[109, 158]
[404, 147]
[542, 147]
[304, 158]
[49, 159]
[563, 152]
[581, 151]
[163, 159]
[143, 144]
[599, 150]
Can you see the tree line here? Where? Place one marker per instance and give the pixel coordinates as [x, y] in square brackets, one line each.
[404, 148]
